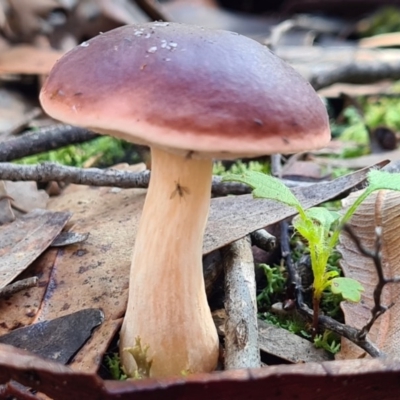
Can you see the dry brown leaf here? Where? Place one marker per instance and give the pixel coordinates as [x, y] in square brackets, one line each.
[24, 240]
[22, 308]
[26, 59]
[17, 198]
[358, 162]
[88, 359]
[380, 209]
[302, 169]
[26, 195]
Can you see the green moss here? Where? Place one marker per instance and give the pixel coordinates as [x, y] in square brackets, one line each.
[241, 166]
[105, 151]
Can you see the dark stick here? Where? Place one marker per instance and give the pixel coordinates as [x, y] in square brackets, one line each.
[46, 172]
[356, 72]
[263, 240]
[294, 278]
[45, 139]
[343, 330]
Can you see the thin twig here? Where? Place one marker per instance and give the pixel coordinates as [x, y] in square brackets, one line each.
[18, 286]
[293, 275]
[47, 172]
[276, 165]
[344, 330]
[356, 72]
[263, 240]
[45, 139]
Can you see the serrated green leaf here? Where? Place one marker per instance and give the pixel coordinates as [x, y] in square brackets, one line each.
[349, 288]
[266, 187]
[323, 216]
[379, 180]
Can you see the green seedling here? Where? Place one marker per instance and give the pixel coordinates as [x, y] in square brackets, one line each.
[113, 363]
[275, 283]
[320, 227]
[328, 342]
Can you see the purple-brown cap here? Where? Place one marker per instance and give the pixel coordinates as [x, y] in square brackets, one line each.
[187, 89]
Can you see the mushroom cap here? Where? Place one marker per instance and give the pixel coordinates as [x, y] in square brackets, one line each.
[187, 89]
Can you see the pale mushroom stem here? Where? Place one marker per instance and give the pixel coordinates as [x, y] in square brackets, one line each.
[167, 306]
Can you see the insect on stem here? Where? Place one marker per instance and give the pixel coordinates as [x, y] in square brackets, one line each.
[180, 190]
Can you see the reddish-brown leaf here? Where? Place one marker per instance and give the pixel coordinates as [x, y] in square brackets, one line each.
[381, 209]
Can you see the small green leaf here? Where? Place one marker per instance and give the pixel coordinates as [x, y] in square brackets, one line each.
[266, 187]
[323, 216]
[383, 180]
[349, 288]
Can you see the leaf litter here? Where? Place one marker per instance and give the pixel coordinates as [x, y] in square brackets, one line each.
[381, 209]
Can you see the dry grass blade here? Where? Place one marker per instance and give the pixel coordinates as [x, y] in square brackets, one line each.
[382, 209]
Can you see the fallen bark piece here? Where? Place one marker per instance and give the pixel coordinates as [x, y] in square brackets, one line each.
[21, 309]
[68, 238]
[288, 346]
[89, 357]
[58, 339]
[23, 240]
[241, 334]
[330, 380]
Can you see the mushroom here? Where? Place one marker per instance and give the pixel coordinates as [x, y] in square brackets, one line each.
[191, 94]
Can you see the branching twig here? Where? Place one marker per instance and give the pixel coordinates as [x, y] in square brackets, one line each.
[356, 72]
[375, 256]
[47, 172]
[45, 139]
[344, 330]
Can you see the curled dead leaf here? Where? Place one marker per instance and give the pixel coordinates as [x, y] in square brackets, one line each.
[381, 209]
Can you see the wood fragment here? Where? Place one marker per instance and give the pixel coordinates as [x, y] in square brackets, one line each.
[23, 240]
[18, 286]
[241, 333]
[281, 343]
[263, 240]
